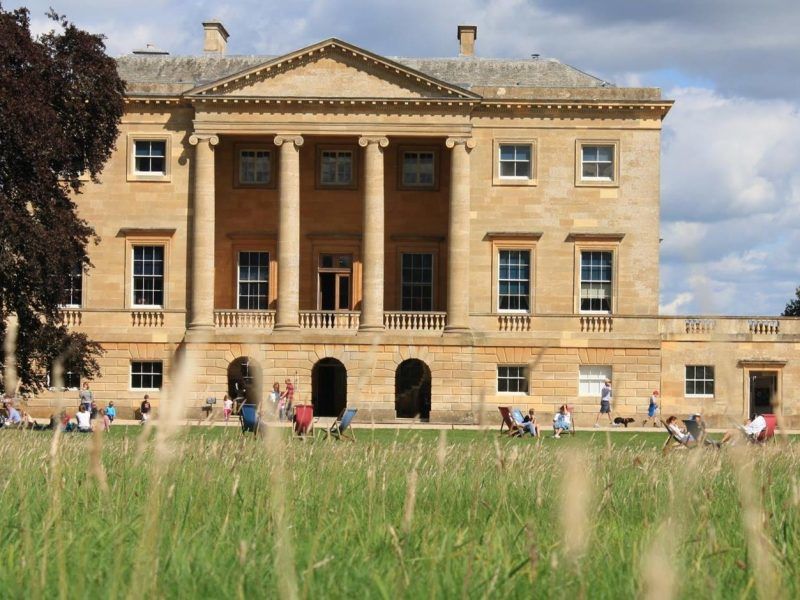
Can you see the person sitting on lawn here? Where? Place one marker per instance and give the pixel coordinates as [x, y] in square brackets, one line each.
[13, 418]
[84, 419]
[562, 421]
[683, 436]
[529, 423]
[106, 420]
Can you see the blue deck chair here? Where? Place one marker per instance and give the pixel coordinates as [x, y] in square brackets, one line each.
[248, 415]
[341, 428]
[516, 414]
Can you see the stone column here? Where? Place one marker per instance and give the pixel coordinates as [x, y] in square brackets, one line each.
[201, 315]
[458, 239]
[374, 237]
[288, 313]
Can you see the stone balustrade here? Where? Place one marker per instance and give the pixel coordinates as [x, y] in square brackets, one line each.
[699, 325]
[71, 317]
[512, 322]
[414, 321]
[764, 326]
[244, 319]
[597, 323]
[147, 318]
[329, 319]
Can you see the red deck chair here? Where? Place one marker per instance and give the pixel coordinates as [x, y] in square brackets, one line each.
[513, 429]
[303, 419]
[768, 433]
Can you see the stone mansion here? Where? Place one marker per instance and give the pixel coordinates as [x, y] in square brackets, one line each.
[416, 237]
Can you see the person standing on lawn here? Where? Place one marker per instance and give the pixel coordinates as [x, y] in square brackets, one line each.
[227, 407]
[605, 403]
[86, 396]
[288, 398]
[111, 411]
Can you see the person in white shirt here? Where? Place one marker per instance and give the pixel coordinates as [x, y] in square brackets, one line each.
[227, 407]
[752, 429]
[683, 436]
[562, 421]
[83, 417]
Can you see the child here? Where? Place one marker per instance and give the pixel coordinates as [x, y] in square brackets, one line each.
[227, 407]
[529, 423]
[111, 411]
[651, 409]
[106, 420]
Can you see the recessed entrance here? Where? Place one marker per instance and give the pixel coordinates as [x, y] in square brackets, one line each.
[412, 390]
[329, 387]
[763, 391]
[243, 378]
[335, 274]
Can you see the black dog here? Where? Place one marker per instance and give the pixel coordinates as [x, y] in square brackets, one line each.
[623, 421]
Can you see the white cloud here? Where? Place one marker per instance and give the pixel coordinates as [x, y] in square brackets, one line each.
[676, 306]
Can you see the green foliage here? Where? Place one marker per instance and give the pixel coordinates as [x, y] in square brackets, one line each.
[793, 306]
[485, 522]
[61, 102]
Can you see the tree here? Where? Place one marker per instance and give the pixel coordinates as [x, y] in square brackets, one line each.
[793, 306]
[61, 101]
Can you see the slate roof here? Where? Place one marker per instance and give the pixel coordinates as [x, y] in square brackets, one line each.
[166, 74]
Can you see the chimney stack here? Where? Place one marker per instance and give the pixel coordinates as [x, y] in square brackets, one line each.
[216, 37]
[467, 34]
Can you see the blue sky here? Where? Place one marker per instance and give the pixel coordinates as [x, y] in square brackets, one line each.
[731, 145]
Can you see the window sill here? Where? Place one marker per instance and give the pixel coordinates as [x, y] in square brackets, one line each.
[698, 396]
[597, 183]
[515, 182]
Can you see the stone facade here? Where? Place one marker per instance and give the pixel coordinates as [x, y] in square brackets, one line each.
[332, 97]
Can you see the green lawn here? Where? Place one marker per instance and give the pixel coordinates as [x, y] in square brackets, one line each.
[397, 514]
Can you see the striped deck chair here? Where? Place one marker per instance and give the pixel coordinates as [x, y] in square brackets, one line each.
[341, 427]
[514, 429]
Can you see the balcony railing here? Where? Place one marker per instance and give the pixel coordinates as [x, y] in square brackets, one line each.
[147, 318]
[329, 319]
[244, 319]
[597, 323]
[414, 321]
[71, 317]
[511, 322]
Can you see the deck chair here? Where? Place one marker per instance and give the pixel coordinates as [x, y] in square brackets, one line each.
[341, 427]
[519, 419]
[303, 419]
[248, 416]
[514, 430]
[768, 433]
[673, 442]
[699, 434]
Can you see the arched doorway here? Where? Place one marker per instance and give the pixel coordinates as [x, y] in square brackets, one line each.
[244, 376]
[329, 387]
[412, 389]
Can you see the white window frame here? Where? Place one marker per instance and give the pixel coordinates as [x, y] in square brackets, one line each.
[150, 156]
[519, 311]
[256, 281]
[144, 374]
[515, 162]
[269, 156]
[133, 173]
[163, 247]
[610, 282]
[417, 184]
[522, 375]
[705, 379]
[591, 378]
[612, 181]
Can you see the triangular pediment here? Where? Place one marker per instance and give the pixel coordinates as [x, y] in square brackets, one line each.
[331, 69]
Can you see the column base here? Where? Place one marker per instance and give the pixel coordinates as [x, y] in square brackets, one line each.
[456, 329]
[200, 332]
[371, 328]
[286, 327]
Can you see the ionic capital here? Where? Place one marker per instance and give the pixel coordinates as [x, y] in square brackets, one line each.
[211, 138]
[297, 140]
[366, 140]
[468, 142]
